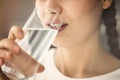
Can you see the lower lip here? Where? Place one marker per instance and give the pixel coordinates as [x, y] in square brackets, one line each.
[62, 28]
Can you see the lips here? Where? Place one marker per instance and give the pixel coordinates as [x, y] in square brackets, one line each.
[59, 27]
[56, 22]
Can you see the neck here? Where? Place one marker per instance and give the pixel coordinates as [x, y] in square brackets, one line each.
[81, 58]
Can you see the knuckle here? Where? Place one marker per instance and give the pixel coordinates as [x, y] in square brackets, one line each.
[14, 27]
[3, 53]
[7, 44]
[7, 56]
[10, 45]
[3, 41]
[17, 31]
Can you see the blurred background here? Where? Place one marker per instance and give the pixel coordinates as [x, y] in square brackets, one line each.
[14, 12]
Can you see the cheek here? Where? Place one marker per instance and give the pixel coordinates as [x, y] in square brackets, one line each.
[83, 9]
[68, 38]
[40, 9]
[74, 37]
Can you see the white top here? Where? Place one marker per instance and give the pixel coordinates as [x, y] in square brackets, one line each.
[52, 73]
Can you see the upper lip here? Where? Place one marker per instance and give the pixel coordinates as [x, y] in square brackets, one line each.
[53, 24]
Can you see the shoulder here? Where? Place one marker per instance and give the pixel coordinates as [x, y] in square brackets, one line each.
[115, 75]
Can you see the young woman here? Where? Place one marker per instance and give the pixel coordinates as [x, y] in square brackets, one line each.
[79, 54]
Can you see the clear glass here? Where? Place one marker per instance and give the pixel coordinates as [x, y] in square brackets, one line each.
[37, 41]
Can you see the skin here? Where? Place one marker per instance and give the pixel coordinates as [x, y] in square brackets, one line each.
[79, 51]
[73, 18]
[8, 46]
[80, 40]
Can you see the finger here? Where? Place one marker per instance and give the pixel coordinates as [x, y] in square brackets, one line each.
[16, 32]
[1, 62]
[41, 68]
[5, 54]
[10, 45]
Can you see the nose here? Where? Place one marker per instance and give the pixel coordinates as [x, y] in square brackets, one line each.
[53, 7]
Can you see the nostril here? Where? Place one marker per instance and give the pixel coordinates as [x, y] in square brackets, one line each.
[54, 10]
[53, 13]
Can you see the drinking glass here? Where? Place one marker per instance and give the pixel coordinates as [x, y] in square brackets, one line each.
[37, 41]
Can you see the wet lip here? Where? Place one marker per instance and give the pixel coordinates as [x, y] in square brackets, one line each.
[60, 29]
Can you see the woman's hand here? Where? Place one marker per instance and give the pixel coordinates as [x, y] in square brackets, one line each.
[8, 46]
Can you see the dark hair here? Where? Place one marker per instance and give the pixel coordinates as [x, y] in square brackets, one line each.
[109, 19]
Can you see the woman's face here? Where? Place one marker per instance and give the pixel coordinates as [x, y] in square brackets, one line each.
[81, 19]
